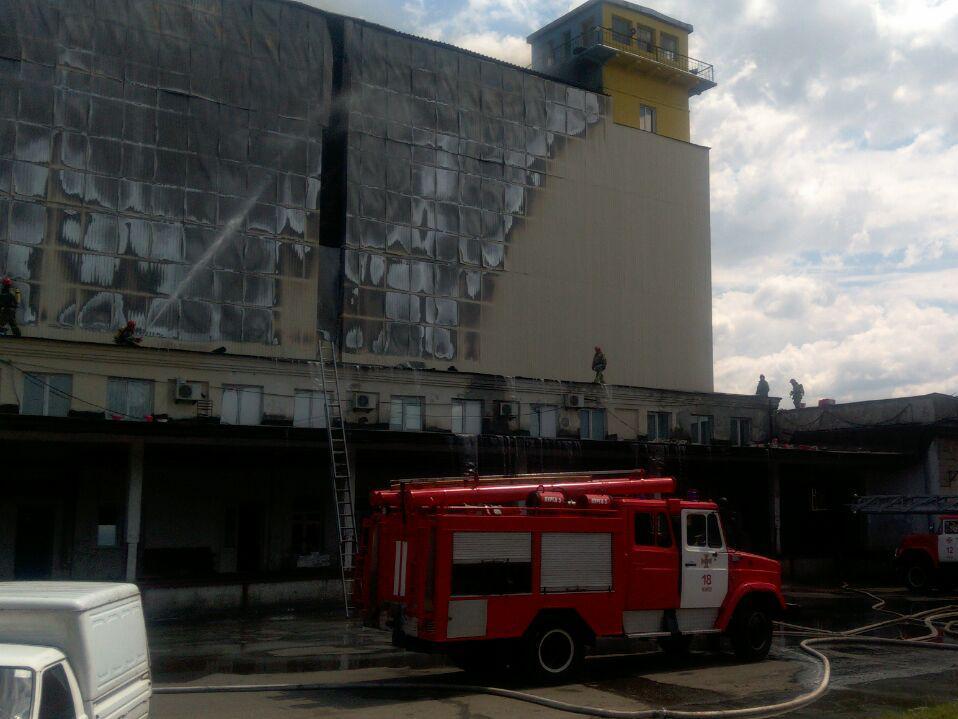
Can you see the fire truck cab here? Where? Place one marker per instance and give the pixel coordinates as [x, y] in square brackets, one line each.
[543, 566]
[931, 558]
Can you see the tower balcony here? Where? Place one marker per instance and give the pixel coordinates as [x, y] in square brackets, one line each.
[600, 46]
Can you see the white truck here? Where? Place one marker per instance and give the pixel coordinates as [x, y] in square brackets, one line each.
[73, 650]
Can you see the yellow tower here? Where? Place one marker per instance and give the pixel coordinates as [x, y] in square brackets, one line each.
[637, 56]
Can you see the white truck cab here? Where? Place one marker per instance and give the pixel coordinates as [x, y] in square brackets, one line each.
[37, 682]
[73, 650]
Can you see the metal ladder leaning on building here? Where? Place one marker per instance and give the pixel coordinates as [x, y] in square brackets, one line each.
[340, 467]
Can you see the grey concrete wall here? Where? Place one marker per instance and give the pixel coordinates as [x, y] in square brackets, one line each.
[923, 409]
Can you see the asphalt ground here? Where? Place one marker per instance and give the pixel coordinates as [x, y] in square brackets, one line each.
[868, 681]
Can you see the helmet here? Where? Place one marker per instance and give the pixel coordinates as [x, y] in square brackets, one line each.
[598, 349]
[7, 282]
[130, 324]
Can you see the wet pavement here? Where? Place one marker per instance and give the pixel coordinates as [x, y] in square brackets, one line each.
[313, 647]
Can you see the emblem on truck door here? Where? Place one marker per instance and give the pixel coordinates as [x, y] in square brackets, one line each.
[707, 560]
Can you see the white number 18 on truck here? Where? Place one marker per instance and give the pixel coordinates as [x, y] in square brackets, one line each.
[72, 650]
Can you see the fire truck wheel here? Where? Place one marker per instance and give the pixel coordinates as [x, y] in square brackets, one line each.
[554, 652]
[917, 576]
[751, 632]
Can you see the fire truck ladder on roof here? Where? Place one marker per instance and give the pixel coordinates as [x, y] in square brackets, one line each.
[340, 468]
[905, 504]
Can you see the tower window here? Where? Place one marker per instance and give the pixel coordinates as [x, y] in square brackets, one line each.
[670, 46]
[644, 37]
[647, 120]
[621, 30]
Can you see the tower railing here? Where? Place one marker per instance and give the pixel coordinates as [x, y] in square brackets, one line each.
[626, 43]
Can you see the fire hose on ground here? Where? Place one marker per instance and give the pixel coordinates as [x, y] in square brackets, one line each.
[929, 618]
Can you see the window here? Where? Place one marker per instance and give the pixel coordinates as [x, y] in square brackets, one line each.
[647, 118]
[715, 534]
[588, 38]
[652, 530]
[645, 37]
[670, 46]
[660, 424]
[818, 501]
[108, 526]
[949, 526]
[16, 691]
[129, 399]
[566, 44]
[701, 429]
[242, 405]
[644, 529]
[695, 530]
[467, 416]
[702, 530]
[591, 424]
[47, 394]
[544, 420]
[309, 410]
[741, 432]
[621, 30]
[406, 414]
[56, 699]
[307, 538]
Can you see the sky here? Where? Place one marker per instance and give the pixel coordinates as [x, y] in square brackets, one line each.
[834, 179]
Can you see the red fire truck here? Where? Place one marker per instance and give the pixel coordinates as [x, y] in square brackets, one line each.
[932, 558]
[543, 566]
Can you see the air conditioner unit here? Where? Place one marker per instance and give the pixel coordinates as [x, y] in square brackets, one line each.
[365, 401]
[508, 409]
[189, 391]
[575, 400]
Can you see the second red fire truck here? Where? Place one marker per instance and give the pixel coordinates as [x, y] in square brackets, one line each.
[542, 566]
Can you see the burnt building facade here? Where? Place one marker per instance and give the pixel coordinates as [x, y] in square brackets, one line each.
[241, 177]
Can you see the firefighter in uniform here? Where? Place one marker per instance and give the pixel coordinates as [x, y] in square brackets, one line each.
[797, 394]
[9, 301]
[762, 388]
[598, 366]
[124, 336]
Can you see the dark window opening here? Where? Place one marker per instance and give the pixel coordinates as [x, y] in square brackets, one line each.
[715, 534]
[108, 526]
[491, 578]
[695, 532]
[56, 700]
[644, 530]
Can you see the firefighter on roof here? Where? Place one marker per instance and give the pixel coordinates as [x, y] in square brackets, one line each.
[762, 389]
[598, 366]
[9, 301]
[125, 335]
[797, 394]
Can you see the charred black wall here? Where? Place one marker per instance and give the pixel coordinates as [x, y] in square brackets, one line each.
[161, 161]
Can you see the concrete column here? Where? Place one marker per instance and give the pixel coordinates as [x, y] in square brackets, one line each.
[775, 505]
[134, 508]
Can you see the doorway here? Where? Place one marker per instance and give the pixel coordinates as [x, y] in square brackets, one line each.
[33, 547]
[249, 538]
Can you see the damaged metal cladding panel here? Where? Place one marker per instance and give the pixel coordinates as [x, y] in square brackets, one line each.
[160, 161]
[446, 152]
